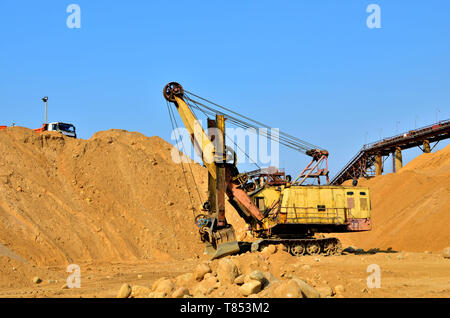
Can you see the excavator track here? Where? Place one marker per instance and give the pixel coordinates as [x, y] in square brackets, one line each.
[305, 246]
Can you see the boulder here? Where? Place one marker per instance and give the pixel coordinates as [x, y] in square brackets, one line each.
[180, 292]
[184, 279]
[227, 271]
[288, 289]
[239, 280]
[157, 295]
[258, 276]
[140, 292]
[269, 279]
[156, 283]
[250, 288]
[164, 286]
[201, 270]
[124, 291]
[325, 291]
[307, 291]
[269, 250]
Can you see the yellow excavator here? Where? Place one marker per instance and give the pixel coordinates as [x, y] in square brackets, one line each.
[277, 209]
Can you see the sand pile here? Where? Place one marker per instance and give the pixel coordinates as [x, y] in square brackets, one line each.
[410, 209]
[115, 197]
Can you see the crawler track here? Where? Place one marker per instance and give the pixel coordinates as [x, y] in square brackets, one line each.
[305, 246]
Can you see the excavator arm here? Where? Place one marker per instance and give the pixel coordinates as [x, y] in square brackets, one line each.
[216, 232]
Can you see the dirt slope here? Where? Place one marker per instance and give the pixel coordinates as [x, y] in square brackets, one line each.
[410, 209]
[115, 197]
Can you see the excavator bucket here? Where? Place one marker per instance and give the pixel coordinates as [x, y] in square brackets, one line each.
[225, 244]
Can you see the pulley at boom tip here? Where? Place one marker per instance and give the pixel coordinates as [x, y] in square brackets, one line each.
[171, 90]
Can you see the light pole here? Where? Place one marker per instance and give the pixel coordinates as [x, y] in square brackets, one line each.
[45, 100]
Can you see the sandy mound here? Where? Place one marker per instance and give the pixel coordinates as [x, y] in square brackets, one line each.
[115, 197]
[410, 209]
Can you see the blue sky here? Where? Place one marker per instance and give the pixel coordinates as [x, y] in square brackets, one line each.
[312, 68]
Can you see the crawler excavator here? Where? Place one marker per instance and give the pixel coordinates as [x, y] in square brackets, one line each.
[277, 209]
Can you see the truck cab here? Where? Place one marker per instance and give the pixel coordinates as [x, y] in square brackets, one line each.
[64, 128]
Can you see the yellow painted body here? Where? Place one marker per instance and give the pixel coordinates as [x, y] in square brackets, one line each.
[331, 205]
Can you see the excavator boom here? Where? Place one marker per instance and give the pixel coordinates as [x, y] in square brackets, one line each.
[216, 232]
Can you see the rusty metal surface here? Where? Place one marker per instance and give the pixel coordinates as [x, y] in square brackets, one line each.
[171, 90]
[359, 225]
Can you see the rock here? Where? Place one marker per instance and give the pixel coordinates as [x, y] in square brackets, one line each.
[67, 287]
[140, 292]
[446, 252]
[157, 295]
[239, 280]
[269, 250]
[140, 276]
[184, 279]
[269, 279]
[124, 291]
[252, 287]
[19, 189]
[165, 286]
[202, 290]
[339, 289]
[227, 271]
[37, 280]
[282, 247]
[288, 289]
[210, 281]
[180, 292]
[155, 284]
[205, 287]
[201, 270]
[307, 291]
[210, 276]
[325, 292]
[258, 276]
